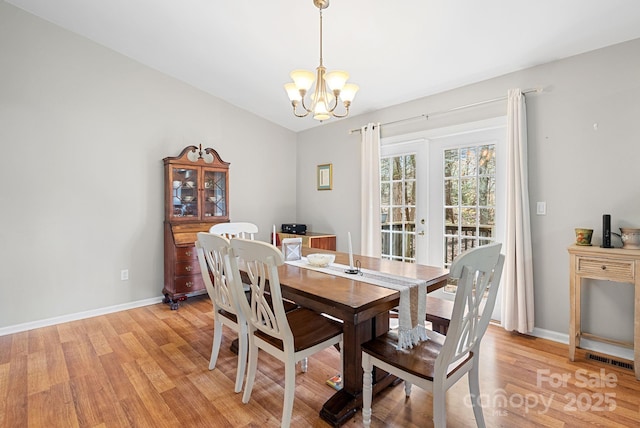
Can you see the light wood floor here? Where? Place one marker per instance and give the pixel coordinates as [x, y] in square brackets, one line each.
[148, 367]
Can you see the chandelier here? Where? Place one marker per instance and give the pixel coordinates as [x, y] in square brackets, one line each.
[330, 87]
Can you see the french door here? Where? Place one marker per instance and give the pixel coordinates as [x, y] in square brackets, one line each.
[402, 210]
[442, 192]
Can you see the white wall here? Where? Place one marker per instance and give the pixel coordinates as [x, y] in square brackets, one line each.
[580, 172]
[83, 131]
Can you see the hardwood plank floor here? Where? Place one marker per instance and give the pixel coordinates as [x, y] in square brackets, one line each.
[148, 367]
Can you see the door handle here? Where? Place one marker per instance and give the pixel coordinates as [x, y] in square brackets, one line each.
[421, 233]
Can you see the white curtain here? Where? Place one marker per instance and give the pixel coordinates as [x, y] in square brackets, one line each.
[370, 240]
[517, 295]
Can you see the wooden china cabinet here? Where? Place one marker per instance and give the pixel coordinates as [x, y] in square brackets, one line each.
[196, 186]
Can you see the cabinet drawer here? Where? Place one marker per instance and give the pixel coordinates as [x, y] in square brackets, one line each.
[186, 253]
[188, 284]
[614, 270]
[191, 267]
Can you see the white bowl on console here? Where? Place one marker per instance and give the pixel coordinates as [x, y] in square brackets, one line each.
[320, 260]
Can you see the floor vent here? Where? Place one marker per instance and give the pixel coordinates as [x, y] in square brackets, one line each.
[610, 361]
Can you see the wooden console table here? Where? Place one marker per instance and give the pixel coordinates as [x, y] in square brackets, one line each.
[610, 264]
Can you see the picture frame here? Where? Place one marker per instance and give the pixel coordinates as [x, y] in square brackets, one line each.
[325, 176]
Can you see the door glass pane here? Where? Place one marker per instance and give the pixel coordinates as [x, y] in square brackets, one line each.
[486, 191]
[487, 161]
[469, 217]
[397, 167]
[410, 193]
[451, 163]
[487, 219]
[385, 194]
[411, 218]
[451, 219]
[410, 167]
[468, 191]
[467, 161]
[384, 169]
[397, 193]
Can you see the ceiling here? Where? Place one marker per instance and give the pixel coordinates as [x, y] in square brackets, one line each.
[243, 50]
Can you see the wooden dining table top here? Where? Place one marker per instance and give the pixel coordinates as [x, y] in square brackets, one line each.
[352, 299]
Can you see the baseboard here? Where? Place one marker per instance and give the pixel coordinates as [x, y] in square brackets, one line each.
[78, 316]
[550, 335]
[592, 345]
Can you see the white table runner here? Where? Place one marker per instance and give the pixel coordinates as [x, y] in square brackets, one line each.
[413, 297]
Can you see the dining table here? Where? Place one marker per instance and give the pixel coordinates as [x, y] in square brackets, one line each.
[363, 309]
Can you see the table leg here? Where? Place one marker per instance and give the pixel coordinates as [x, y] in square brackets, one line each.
[346, 402]
[573, 307]
[636, 324]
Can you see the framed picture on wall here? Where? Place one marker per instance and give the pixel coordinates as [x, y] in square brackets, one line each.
[325, 176]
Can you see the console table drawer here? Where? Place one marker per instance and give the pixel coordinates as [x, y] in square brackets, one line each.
[613, 270]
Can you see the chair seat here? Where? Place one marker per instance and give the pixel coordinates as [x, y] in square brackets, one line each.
[418, 361]
[308, 327]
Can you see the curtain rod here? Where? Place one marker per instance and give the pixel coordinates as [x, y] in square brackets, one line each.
[427, 116]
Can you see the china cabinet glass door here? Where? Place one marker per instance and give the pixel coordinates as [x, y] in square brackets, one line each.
[215, 193]
[185, 192]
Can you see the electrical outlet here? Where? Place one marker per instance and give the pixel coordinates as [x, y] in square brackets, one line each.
[124, 275]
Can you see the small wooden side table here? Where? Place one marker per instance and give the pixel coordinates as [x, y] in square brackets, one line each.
[610, 264]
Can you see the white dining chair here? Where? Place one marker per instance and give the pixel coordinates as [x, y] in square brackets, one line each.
[439, 362]
[288, 336]
[211, 250]
[235, 230]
